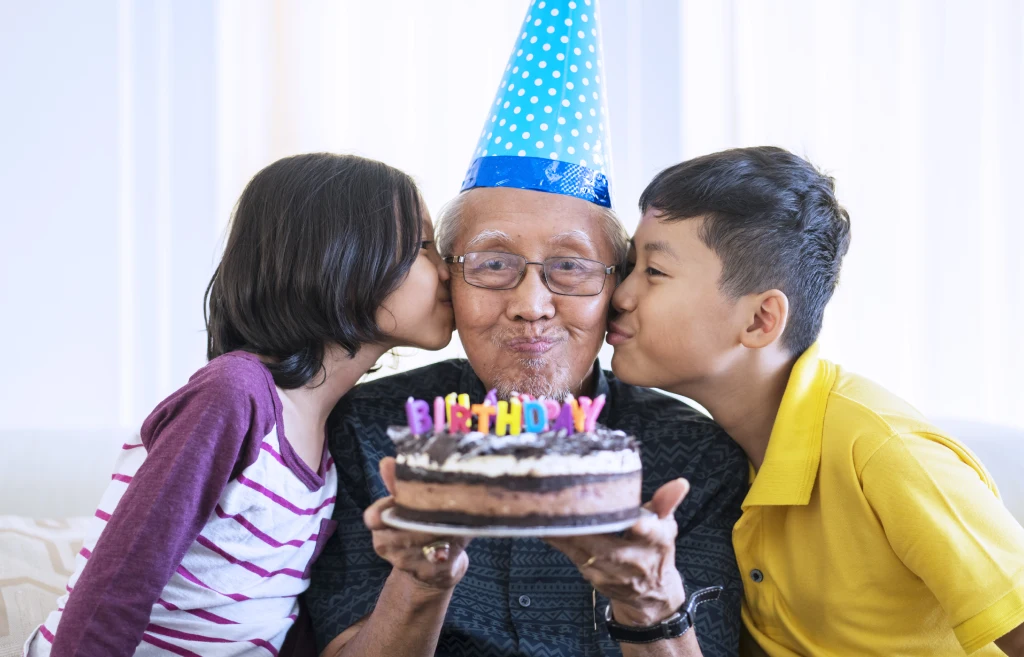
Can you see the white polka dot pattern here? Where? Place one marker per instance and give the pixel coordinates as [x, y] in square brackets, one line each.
[552, 88]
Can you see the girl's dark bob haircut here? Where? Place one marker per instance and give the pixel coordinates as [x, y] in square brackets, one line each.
[317, 242]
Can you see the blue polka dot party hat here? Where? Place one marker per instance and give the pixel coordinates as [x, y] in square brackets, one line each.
[548, 127]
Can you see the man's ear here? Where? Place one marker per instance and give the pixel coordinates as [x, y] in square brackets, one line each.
[768, 313]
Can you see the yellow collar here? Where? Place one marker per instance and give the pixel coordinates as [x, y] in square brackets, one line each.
[794, 450]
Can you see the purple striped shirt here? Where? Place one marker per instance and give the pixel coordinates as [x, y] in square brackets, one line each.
[206, 534]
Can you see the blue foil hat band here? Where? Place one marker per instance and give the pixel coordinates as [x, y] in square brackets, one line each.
[540, 174]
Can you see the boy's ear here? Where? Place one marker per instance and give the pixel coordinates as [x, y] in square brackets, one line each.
[768, 313]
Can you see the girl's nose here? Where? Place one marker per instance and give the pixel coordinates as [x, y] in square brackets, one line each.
[443, 272]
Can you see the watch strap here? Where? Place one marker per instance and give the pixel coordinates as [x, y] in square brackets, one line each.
[674, 626]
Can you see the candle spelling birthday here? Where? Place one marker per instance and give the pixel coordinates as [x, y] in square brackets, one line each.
[519, 414]
[518, 462]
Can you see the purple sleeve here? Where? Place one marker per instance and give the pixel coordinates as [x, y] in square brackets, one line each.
[197, 440]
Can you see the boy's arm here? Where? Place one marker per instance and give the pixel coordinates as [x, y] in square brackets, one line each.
[193, 445]
[949, 527]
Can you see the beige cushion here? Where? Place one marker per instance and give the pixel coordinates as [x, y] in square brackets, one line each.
[36, 560]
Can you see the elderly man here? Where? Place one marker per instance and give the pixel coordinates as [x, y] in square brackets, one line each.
[528, 214]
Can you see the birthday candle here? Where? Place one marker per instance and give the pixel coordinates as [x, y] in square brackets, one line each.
[439, 415]
[417, 412]
[449, 399]
[565, 420]
[515, 409]
[553, 408]
[509, 418]
[593, 412]
[492, 398]
[463, 401]
[483, 413]
[579, 413]
[460, 419]
[535, 417]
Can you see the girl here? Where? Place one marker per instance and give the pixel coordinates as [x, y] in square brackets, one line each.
[215, 514]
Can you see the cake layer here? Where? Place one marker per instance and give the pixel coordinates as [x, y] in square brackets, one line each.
[618, 497]
[508, 482]
[531, 520]
[602, 451]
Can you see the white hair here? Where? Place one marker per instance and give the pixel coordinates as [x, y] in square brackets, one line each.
[449, 223]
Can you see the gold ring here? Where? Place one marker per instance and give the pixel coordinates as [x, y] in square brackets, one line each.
[436, 552]
[589, 562]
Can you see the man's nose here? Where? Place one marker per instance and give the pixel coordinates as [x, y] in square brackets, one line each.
[531, 300]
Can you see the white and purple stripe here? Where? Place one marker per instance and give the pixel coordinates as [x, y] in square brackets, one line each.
[235, 591]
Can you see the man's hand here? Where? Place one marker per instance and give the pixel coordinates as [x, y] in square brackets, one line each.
[411, 608]
[421, 556]
[637, 571]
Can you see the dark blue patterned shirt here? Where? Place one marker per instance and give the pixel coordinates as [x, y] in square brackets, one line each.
[521, 597]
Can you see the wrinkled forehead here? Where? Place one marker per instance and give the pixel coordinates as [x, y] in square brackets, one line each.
[534, 224]
[575, 239]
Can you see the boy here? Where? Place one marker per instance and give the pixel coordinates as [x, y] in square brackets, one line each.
[866, 530]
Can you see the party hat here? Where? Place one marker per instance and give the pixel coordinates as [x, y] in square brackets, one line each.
[548, 127]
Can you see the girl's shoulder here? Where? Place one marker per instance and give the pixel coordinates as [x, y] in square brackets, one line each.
[237, 370]
[234, 391]
[232, 379]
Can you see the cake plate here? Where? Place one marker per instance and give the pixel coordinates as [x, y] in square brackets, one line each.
[391, 519]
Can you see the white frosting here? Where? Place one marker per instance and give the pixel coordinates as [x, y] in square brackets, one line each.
[544, 466]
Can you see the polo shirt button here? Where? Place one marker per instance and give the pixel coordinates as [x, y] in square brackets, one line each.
[524, 600]
[757, 576]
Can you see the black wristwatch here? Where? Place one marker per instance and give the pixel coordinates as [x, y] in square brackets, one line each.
[674, 626]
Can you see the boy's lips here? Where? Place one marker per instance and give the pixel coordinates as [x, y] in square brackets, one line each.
[617, 334]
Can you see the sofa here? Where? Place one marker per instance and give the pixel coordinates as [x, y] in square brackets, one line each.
[50, 482]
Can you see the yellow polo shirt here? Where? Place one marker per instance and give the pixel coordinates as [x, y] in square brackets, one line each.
[868, 532]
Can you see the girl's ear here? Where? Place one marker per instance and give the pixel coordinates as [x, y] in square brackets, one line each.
[769, 312]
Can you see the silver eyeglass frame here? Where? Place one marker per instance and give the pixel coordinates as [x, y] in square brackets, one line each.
[460, 260]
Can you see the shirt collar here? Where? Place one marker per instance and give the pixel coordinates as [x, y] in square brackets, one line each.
[794, 450]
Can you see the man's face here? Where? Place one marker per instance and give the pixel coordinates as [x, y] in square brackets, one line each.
[529, 339]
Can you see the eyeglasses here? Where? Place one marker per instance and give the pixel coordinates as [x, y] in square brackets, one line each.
[495, 270]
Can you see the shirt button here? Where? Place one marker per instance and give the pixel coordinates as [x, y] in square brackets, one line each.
[757, 576]
[524, 600]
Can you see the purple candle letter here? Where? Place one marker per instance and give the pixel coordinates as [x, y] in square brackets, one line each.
[417, 412]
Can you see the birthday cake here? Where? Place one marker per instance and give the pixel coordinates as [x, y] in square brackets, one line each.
[504, 463]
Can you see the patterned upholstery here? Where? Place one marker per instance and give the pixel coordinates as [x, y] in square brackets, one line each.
[36, 559]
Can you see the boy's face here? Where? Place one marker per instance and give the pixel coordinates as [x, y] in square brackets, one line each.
[673, 327]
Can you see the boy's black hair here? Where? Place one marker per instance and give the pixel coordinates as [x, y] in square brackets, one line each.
[317, 242]
[773, 220]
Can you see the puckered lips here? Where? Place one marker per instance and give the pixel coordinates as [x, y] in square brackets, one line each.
[532, 343]
[618, 334]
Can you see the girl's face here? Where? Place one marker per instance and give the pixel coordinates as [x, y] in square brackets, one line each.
[419, 313]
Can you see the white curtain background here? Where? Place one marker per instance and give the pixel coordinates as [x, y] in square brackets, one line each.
[130, 127]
